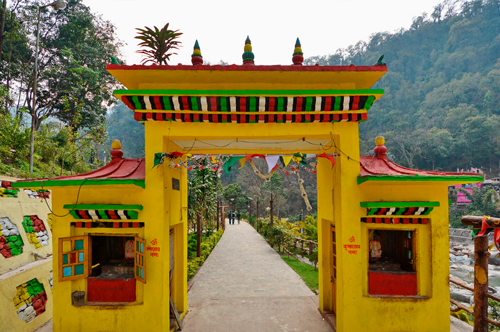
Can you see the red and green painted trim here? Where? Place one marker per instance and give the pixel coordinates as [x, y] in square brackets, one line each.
[422, 178]
[234, 117]
[249, 93]
[399, 208]
[80, 224]
[83, 182]
[104, 214]
[265, 68]
[396, 221]
[248, 103]
[398, 204]
[103, 207]
[408, 211]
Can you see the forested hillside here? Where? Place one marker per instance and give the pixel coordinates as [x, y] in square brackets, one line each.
[442, 90]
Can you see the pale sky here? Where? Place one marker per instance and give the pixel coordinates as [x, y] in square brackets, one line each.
[221, 26]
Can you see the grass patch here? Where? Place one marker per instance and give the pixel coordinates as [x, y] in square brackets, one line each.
[307, 272]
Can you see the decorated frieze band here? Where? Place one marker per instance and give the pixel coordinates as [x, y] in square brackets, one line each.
[249, 104]
[116, 224]
[409, 211]
[396, 221]
[104, 212]
[398, 208]
[250, 118]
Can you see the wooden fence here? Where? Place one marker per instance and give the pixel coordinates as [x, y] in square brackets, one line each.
[306, 246]
[480, 289]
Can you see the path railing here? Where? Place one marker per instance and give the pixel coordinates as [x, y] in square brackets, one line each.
[306, 246]
[480, 289]
[460, 306]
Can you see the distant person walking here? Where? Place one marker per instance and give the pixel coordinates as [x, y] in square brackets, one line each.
[238, 216]
[231, 219]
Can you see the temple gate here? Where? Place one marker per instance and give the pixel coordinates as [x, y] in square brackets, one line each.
[382, 228]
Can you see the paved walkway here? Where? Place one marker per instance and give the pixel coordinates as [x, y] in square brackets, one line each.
[245, 286]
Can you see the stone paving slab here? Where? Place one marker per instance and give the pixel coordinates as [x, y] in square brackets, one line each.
[245, 286]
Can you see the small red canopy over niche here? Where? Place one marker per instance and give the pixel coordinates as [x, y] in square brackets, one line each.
[118, 171]
[379, 165]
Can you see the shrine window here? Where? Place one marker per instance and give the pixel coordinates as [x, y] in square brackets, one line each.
[111, 264]
[392, 264]
[73, 258]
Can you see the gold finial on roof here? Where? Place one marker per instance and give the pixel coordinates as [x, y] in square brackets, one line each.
[380, 140]
[116, 144]
[116, 150]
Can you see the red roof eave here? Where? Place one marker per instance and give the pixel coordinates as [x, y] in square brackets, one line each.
[379, 168]
[118, 171]
[250, 68]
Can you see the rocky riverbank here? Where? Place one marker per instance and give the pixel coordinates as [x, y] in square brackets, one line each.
[462, 267]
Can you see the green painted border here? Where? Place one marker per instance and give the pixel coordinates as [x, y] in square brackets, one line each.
[398, 212]
[102, 216]
[85, 182]
[231, 93]
[397, 204]
[102, 207]
[437, 178]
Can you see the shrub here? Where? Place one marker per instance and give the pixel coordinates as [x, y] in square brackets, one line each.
[206, 248]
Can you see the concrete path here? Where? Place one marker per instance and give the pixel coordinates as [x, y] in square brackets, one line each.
[245, 286]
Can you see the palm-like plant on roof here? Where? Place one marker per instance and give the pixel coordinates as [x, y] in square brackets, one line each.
[158, 45]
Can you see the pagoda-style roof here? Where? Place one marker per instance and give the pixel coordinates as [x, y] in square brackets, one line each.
[216, 77]
[379, 168]
[118, 171]
[248, 93]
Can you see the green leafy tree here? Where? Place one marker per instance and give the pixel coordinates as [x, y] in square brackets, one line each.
[484, 201]
[158, 44]
[203, 186]
[309, 228]
[73, 84]
[234, 197]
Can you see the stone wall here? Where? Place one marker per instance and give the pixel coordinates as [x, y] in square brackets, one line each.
[25, 258]
[463, 236]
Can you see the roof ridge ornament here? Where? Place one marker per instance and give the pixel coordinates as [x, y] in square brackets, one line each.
[196, 57]
[248, 56]
[379, 61]
[298, 56]
[116, 150]
[380, 148]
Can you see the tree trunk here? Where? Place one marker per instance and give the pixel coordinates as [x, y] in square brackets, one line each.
[198, 235]
[271, 216]
[218, 216]
[3, 12]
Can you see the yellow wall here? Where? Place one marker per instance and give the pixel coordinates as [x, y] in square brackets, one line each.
[150, 296]
[339, 198]
[17, 270]
[427, 312]
[164, 209]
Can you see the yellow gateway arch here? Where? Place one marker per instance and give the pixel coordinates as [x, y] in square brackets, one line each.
[368, 207]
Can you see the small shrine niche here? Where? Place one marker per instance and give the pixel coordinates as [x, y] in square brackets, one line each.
[392, 265]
